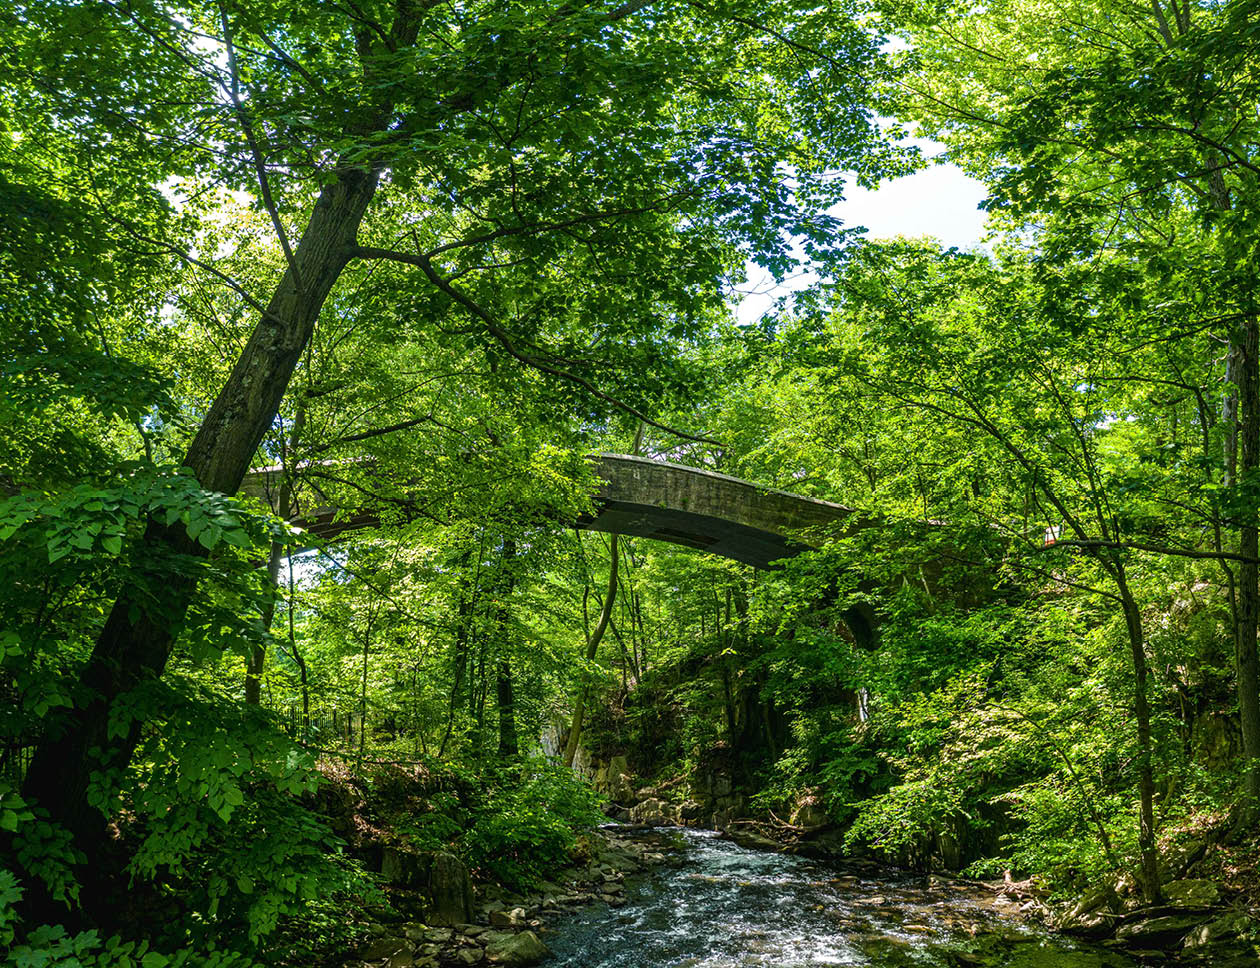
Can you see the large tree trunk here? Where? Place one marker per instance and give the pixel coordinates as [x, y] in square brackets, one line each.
[135, 643]
[459, 657]
[509, 748]
[505, 695]
[1241, 419]
[1142, 708]
[1246, 351]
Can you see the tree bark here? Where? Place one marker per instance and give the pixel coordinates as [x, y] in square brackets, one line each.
[257, 657]
[506, 696]
[284, 507]
[301, 664]
[1247, 661]
[459, 657]
[1142, 709]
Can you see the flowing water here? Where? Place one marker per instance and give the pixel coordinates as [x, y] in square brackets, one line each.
[717, 905]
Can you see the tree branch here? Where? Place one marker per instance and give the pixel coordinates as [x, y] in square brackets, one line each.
[1089, 544]
[505, 339]
[248, 127]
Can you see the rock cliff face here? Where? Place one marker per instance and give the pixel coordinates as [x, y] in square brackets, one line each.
[441, 878]
[711, 799]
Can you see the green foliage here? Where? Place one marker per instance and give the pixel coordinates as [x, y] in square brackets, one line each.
[526, 825]
[572, 191]
[1054, 839]
[50, 946]
[219, 818]
[907, 814]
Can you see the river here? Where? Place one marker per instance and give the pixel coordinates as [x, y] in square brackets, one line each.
[717, 905]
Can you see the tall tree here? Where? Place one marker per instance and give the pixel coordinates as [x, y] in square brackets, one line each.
[1096, 122]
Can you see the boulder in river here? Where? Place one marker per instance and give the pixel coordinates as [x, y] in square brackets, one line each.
[691, 810]
[508, 919]
[515, 950]
[380, 948]
[751, 839]
[1224, 929]
[1092, 916]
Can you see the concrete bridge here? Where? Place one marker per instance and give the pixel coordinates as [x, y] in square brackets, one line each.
[683, 505]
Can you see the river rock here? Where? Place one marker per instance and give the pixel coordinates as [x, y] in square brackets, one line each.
[709, 783]
[1092, 916]
[380, 948]
[619, 788]
[1192, 893]
[469, 956]
[691, 811]
[508, 919]
[515, 949]
[809, 814]
[614, 781]
[1159, 931]
[654, 813]
[441, 877]
[1223, 929]
[752, 840]
[450, 891]
[1126, 885]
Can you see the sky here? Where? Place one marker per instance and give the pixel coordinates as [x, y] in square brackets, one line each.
[939, 201]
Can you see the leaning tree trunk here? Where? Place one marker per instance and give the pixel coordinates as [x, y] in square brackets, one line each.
[257, 658]
[135, 643]
[592, 647]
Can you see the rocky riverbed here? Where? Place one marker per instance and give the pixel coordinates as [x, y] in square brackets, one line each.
[688, 898]
[489, 925]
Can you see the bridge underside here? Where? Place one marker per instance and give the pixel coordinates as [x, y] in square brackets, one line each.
[725, 538]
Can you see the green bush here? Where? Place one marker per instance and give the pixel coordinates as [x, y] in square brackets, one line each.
[526, 826]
